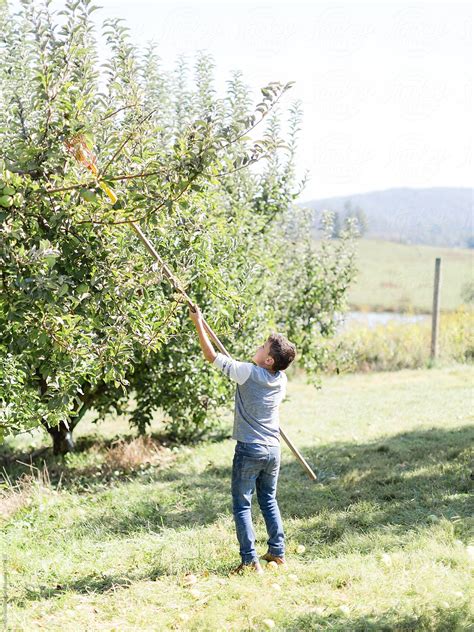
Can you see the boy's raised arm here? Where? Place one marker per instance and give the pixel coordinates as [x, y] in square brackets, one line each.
[206, 344]
[235, 370]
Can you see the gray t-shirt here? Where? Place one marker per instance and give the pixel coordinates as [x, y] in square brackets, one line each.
[257, 399]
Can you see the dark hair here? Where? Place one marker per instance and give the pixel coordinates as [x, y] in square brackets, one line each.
[281, 350]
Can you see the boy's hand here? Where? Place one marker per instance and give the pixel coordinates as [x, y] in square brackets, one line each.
[196, 316]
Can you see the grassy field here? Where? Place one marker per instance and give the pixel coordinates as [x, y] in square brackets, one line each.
[398, 277]
[104, 541]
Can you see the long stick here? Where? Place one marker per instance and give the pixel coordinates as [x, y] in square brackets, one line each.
[209, 330]
[78, 148]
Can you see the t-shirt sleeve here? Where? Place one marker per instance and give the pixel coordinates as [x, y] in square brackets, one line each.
[285, 381]
[235, 370]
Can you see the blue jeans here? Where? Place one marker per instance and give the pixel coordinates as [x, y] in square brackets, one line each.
[256, 466]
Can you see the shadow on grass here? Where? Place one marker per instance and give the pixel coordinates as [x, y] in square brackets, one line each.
[87, 584]
[99, 583]
[14, 465]
[400, 483]
[438, 620]
[406, 479]
[403, 481]
[10, 458]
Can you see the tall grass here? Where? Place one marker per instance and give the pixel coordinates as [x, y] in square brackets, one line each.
[408, 345]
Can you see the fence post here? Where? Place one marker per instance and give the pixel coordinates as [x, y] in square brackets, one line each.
[5, 592]
[435, 315]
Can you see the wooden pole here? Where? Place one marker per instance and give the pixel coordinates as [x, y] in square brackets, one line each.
[435, 314]
[5, 591]
[177, 285]
[78, 148]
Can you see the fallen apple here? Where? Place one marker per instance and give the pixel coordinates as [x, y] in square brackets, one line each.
[269, 623]
[273, 566]
[189, 579]
[386, 559]
[300, 548]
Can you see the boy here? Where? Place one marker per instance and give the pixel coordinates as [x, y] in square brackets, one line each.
[256, 464]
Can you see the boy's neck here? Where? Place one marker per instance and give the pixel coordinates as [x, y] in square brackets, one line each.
[266, 368]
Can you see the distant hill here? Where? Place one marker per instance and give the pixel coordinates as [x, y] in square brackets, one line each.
[440, 216]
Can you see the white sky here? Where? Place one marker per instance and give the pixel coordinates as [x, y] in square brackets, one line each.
[386, 87]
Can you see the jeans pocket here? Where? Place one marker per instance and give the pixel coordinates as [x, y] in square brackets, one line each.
[248, 463]
[273, 467]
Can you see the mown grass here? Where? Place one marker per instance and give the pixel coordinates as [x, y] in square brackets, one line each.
[400, 277]
[106, 541]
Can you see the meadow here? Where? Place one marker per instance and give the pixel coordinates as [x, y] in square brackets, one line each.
[133, 534]
[399, 277]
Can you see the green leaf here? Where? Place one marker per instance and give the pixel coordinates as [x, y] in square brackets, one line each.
[82, 288]
[50, 259]
[88, 195]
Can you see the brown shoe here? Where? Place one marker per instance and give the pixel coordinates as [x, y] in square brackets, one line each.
[251, 566]
[268, 557]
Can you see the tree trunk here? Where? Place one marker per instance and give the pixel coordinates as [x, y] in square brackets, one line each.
[63, 441]
[62, 438]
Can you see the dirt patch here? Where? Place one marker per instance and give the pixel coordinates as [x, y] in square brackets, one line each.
[129, 455]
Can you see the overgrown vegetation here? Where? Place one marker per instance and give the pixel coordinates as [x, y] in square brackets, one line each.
[85, 320]
[397, 345]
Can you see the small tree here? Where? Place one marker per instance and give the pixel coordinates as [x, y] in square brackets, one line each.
[359, 214]
[86, 320]
[467, 292]
[336, 226]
